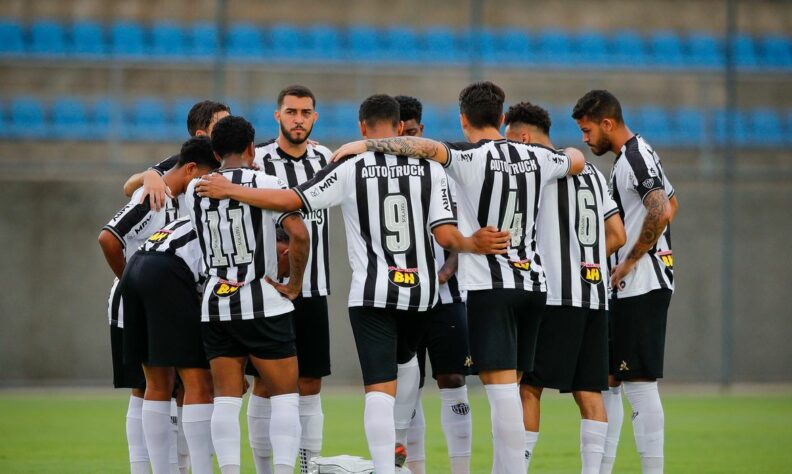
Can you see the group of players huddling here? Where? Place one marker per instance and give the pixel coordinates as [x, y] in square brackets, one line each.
[503, 257]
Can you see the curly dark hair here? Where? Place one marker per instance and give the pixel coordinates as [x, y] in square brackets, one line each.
[198, 150]
[482, 104]
[232, 135]
[409, 108]
[379, 108]
[598, 105]
[529, 114]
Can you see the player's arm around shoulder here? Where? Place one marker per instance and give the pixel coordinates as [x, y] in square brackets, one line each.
[401, 146]
[268, 194]
[577, 162]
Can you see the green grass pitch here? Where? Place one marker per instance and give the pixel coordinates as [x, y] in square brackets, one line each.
[83, 432]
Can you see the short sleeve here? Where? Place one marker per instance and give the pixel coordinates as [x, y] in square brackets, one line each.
[462, 164]
[609, 206]
[329, 187]
[165, 165]
[131, 220]
[645, 172]
[441, 210]
[554, 165]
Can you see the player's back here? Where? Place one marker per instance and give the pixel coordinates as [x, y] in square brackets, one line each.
[238, 246]
[390, 204]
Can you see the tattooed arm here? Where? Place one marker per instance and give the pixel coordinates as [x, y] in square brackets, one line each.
[405, 146]
[658, 215]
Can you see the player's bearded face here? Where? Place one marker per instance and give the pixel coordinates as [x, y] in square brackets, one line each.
[599, 142]
[296, 133]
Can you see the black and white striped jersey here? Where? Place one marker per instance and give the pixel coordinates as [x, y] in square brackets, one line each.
[571, 239]
[178, 238]
[390, 205]
[637, 172]
[499, 183]
[449, 291]
[238, 246]
[294, 171]
[132, 225]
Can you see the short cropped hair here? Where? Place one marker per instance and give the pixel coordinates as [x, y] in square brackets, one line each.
[201, 114]
[379, 108]
[482, 104]
[529, 114]
[198, 150]
[409, 108]
[297, 91]
[598, 105]
[232, 135]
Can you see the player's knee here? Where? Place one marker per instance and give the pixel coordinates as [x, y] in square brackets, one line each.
[591, 405]
[309, 385]
[450, 380]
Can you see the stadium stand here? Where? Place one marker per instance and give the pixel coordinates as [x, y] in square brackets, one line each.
[249, 42]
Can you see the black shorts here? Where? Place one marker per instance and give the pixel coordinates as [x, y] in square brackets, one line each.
[503, 325]
[637, 335]
[124, 375]
[446, 341]
[265, 338]
[572, 350]
[312, 331]
[162, 313]
[385, 338]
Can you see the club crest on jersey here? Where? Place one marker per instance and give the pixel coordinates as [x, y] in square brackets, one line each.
[159, 235]
[667, 257]
[226, 288]
[522, 265]
[648, 182]
[403, 277]
[591, 273]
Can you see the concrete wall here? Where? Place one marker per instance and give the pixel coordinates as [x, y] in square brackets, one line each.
[53, 326]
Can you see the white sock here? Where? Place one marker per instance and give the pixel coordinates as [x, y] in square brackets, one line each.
[157, 430]
[225, 432]
[173, 455]
[507, 427]
[615, 410]
[592, 445]
[285, 431]
[380, 431]
[648, 424]
[416, 438]
[312, 423]
[197, 423]
[259, 413]
[136, 441]
[531, 438]
[457, 426]
[181, 445]
[408, 378]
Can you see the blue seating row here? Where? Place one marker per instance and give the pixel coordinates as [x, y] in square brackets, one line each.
[327, 43]
[151, 119]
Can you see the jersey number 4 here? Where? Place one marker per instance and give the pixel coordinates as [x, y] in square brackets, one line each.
[241, 254]
[513, 220]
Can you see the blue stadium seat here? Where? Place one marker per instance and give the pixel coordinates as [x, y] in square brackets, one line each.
[363, 43]
[655, 125]
[47, 38]
[719, 131]
[705, 50]
[127, 39]
[101, 117]
[400, 43]
[245, 42]
[324, 42]
[202, 41]
[487, 42]
[69, 119]
[27, 118]
[288, 42]
[745, 52]
[666, 49]
[590, 47]
[11, 37]
[337, 121]
[146, 120]
[87, 39]
[687, 126]
[788, 129]
[261, 116]
[515, 46]
[179, 111]
[168, 39]
[629, 49]
[563, 131]
[554, 47]
[441, 44]
[765, 128]
[776, 52]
